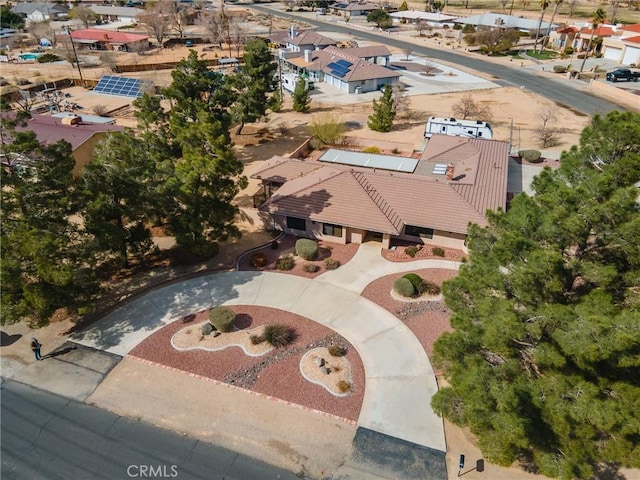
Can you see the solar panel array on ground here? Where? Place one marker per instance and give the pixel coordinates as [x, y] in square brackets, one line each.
[121, 86]
[340, 68]
[370, 160]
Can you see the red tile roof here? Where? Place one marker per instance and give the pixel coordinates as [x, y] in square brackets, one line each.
[632, 39]
[384, 201]
[110, 36]
[631, 28]
[599, 32]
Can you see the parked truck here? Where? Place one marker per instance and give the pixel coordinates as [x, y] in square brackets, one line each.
[458, 128]
[623, 74]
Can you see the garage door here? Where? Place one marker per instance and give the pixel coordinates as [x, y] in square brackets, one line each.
[631, 56]
[613, 54]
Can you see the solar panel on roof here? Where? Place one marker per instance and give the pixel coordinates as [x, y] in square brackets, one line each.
[338, 74]
[120, 86]
[344, 63]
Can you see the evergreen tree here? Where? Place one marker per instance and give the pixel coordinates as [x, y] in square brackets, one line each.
[300, 96]
[403, 6]
[196, 170]
[381, 120]
[44, 263]
[120, 195]
[253, 84]
[543, 363]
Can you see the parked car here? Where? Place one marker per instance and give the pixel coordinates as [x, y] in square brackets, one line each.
[623, 74]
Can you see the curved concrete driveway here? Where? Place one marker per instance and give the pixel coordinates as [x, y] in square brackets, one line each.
[399, 378]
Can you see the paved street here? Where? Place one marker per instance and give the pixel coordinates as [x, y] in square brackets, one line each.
[566, 93]
[48, 437]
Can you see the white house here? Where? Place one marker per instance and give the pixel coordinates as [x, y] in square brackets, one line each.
[412, 16]
[625, 47]
[38, 12]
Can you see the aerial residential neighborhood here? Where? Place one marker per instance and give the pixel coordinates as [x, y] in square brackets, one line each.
[342, 241]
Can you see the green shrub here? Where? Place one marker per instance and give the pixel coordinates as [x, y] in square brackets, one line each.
[331, 263]
[430, 288]
[310, 267]
[415, 280]
[403, 286]
[411, 251]
[286, 262]
[307, 248]
[437, 251]
[372, 150]
[258, 260]
[559, 68]
[337, 351]
[256, 339]
[48, 58]
[222, 318]
[344, 386]
[532, 156]
[278, 335]
[206, 328]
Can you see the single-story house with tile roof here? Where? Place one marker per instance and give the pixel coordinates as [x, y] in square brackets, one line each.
[99, 39]
[293, 41]
[496, 20]
[83, 137]
[111, 13]
[353, 9]
[624, 47]
[347, 198]
[412, 16]
[346, 69]
[38, 12]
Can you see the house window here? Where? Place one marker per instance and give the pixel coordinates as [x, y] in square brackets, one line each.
[296, 223]
[421, 232]
[332, 230]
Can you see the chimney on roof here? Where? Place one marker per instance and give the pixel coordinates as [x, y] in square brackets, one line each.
[307, 56]
[292, 31]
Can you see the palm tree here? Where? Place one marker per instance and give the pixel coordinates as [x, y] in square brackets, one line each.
[597, 18]
[544, 4]
[556, 5]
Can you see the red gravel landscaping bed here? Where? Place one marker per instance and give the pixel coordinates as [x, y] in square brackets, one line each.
[276, 373]
[426, 251]
[286, 245]
[427, 320]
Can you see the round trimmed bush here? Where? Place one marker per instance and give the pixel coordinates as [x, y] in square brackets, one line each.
[307, 248]
[258, 260]
[222, 318]
[403, 286]
[331, 263]
[415, 280]
[533, 156]
[337, 351]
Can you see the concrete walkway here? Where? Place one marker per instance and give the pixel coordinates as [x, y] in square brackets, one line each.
[399, 378]
[368, 265]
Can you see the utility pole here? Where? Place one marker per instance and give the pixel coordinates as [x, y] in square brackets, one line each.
[75, 55]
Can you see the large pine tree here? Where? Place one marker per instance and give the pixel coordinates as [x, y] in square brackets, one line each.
[543, 363]
[44, 263]
[381, 120]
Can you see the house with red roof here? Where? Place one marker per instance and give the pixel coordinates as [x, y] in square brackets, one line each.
[625, 47]
[99, 39]
[351, 197]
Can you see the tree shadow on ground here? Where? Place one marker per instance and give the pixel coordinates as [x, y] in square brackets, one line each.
[6, 339]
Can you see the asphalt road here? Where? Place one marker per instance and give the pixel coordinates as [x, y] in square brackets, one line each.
[555, 90]
[48, 437]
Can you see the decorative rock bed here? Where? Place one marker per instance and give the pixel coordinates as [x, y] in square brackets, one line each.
[333, 373]
[191, 338]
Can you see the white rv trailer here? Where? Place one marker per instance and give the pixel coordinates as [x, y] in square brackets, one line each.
[289, 81]
[458, 128]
